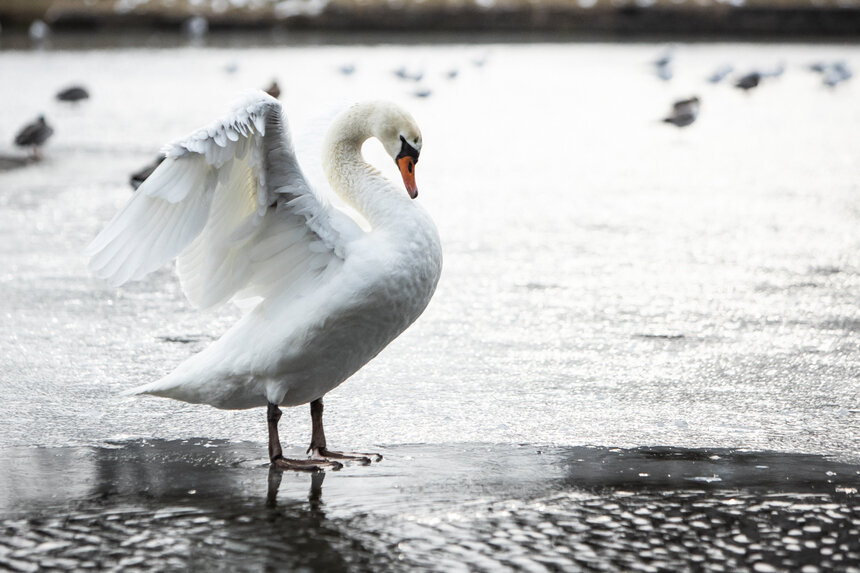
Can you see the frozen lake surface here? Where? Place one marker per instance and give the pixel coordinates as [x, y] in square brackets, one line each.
[611, 283]
[204, 505]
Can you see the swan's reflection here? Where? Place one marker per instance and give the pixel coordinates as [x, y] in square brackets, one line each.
[314, 495]
[205, 505]
[200, 503]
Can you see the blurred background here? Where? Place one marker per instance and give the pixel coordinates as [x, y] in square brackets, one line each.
[771, 18]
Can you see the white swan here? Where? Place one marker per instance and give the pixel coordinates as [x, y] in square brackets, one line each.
[232, 203]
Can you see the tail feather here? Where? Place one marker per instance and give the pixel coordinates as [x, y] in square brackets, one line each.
[225, 392]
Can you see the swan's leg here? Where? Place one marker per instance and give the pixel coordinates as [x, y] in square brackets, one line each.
[318, 448]
[276, 453]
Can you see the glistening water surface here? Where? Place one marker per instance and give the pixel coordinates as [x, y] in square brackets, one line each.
[611, 283]
[155, 505]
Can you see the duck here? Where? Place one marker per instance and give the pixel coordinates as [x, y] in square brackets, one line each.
[274, 89]
[34, 135]
[323, 291]
[141, 174]
[684, 112]
[749, 81]
[73, 94]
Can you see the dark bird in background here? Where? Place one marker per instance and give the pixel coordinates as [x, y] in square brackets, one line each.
[140, 176]
[720, 73]
[34, 135]
[748, 81]
[684, 112]
[452, 73]
[422, 92]
[73, 94]
[274, 90]
[347, 69]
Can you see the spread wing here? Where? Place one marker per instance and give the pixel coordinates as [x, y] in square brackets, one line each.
[231, 202]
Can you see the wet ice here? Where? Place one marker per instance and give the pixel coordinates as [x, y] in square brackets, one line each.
[607, 281]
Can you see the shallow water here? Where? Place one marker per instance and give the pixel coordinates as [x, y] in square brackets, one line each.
[609, 281]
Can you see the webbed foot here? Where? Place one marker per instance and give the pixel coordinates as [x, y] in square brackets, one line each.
[312, 465]
[330, 455]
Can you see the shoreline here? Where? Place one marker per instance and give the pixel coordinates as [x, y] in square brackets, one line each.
[602, 20]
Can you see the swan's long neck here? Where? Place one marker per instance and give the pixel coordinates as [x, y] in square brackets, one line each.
[361, 185]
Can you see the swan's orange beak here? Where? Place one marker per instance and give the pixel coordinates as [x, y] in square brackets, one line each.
[407, 170]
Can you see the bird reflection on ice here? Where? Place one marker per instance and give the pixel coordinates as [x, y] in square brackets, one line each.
[158, 505]
[314, 496]
[202, 504]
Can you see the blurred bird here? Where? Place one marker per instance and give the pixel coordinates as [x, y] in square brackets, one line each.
[663, 64]
[837, 74]
[39, 31]
[832, 73]
[775, 72]
[665, 73]
[480, 61]
[34, 135]
[422, 92]
[140, 176]
[452, 73]
[684, 112]
[347, 69]
[73, 94]
[666, 57]
[196, 26]
[720, 74]
[274, 90]
[748, 81]
[405, 74]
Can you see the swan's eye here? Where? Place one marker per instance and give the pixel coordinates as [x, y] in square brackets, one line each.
[407, 150]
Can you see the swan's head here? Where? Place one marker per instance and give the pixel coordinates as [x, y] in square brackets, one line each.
[387, 122]
[401, 138]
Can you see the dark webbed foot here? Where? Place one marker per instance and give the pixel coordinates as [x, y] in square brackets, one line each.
[318, 449]
[311, 465]
[324, 453]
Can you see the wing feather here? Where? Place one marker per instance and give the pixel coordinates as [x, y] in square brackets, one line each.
[232, 203]
[152, 229]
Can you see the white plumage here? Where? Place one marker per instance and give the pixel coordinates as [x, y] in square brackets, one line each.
[231, 203]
